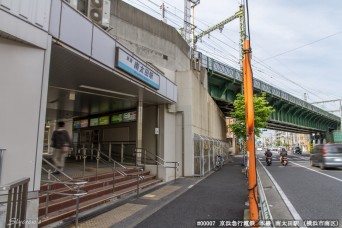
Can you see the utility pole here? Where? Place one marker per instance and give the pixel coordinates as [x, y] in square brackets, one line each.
[249, 109]
[187, 16]
[162, 8]
[194, 3]
[239, 14]
[250, 126]
[340, 100]
[249, 105]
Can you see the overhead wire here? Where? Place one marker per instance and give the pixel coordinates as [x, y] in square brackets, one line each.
[308, 44]
[181, 21]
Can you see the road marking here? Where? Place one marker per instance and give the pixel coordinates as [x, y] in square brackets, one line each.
[318, 172]
[289, 205]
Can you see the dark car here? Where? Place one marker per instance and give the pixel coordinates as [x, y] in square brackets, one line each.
[327, 155]
[297, 150]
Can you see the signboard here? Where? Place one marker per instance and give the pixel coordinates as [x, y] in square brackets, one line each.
[132, 65]
[77, 124]
[94, 122]
[116, 118]
[129, 116]
[104, 120]
[337, 136]
[84, 123]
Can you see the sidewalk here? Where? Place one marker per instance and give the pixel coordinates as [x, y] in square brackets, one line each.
[218, 196]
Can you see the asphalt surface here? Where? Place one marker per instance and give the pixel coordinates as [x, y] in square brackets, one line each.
[312, 194]
[220, 196]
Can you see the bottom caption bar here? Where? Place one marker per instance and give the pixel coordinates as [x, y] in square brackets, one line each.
[276, 223]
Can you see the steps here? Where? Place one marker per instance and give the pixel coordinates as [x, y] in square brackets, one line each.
[99, 192]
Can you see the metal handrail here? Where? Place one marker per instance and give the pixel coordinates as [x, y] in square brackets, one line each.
[162, 163]
[16, 200]
[76, 185]
[112, 165]
[63, 173]
[122, 173]
[14, 184]
[90, 147]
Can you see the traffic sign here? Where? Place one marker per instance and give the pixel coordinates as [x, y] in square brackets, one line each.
[337, 136]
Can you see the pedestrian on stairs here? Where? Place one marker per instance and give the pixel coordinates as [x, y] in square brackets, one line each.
[61, 143]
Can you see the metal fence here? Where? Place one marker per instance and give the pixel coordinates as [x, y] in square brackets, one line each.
[16, 202]
[205, 151]
[265, 214]
[120, 151]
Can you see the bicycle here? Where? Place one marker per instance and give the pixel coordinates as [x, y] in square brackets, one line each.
[219, 162]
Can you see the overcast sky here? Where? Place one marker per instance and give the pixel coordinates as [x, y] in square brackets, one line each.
[296, 44]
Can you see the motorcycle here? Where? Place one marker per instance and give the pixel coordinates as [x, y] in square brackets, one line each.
[284, 161]
[268, 161]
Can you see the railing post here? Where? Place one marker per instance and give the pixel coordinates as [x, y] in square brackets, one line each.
[92, 151]
[113, 176]
[84, 155]
[175, 171]
[47, 194]
[138, 181]
[97, 162]
[24, 202]
[2, 150]
[122, 152]
[109, 152]
[145, 157]
[77, 209]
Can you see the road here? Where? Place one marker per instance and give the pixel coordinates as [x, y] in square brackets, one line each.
[314, 193]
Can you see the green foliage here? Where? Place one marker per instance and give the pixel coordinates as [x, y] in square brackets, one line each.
[278, 143]
[262, 112]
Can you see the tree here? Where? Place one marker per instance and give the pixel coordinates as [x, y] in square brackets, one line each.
[278, 143]
[262, 112]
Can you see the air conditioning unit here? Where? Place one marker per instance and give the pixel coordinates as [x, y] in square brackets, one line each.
[99, 12]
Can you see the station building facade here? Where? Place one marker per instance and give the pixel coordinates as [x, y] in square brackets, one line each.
[131, 82]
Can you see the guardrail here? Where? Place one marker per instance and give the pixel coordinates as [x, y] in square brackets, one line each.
[265, 214]
[16, 201]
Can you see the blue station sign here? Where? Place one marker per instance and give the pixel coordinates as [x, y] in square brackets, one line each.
[137, 68]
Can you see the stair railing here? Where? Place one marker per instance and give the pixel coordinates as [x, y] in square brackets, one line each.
[109, 162]
[72, 184]
[115, 166]
[158, 160]
[16, 201]
[119, 146]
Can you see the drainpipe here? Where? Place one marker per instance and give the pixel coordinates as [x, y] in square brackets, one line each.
[158, 138]
[182, 114]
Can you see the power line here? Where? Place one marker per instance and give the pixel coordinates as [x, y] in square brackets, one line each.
[272, 73]
[302, 46]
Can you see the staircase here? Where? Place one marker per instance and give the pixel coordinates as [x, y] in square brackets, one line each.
[98, 191]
